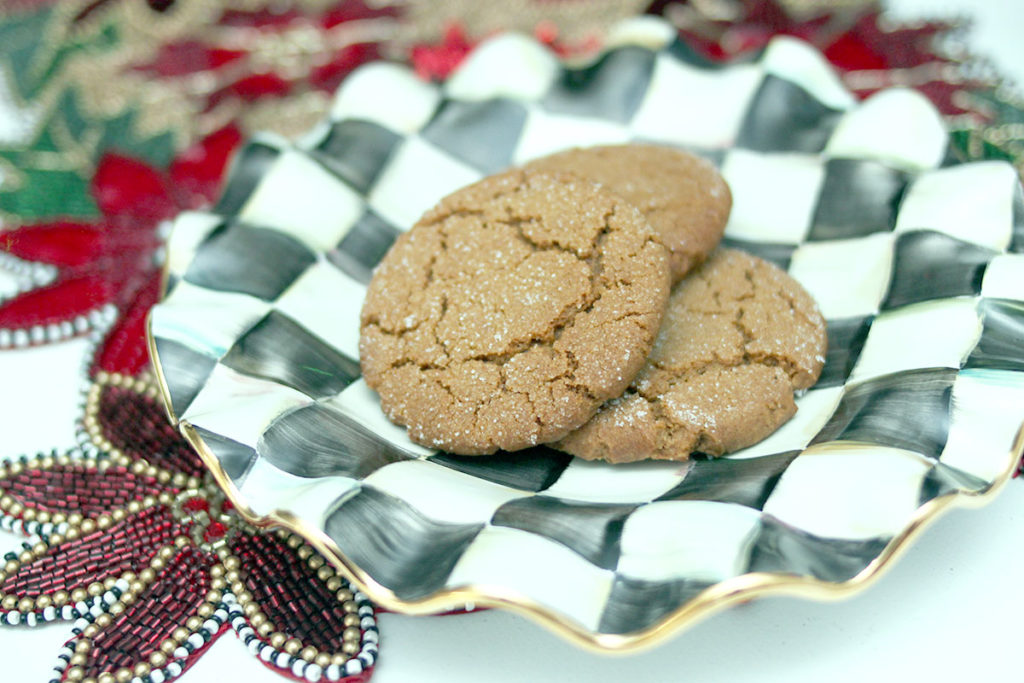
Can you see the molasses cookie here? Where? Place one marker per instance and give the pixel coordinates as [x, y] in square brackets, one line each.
[512, 311]
[738, 338]
[683, 196]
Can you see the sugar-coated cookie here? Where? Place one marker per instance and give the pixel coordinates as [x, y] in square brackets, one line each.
[682, 195]
[512, 311]
[738, 338]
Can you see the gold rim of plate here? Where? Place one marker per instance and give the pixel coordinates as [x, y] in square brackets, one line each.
[715, 598]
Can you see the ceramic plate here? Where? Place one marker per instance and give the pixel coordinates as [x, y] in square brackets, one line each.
[914, 259]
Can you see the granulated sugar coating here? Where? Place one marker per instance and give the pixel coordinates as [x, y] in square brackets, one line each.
[738, 338]
[683, 196]
[511, 311]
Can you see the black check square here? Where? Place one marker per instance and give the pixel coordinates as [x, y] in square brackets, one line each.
[611, 88]
[483, 134]
[774, 252]
[846, 339]
[593, 531]
[909, 410]
[931, 265]
[746, 481]
[363, 246]
[783, 117]
[397, 545]
[247, 170]
[781, 548]
[1002, 336]
[189, 368]
[356, 151]
[279, 349]
[637, 604]
[234, 259]
[857, 198]
[317, 440]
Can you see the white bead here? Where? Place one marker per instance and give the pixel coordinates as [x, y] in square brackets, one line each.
[13, 617]
[283, 660]
[298, 666]
[109, 598]
[196, 640]
[334, 672]
[267, 653]
[353, 667]
[367, 622]
[31, 619]
[371, 636]
[313, 673]
[122, 585]
[157, 676]
[37, 334]
[5, 337]
[211, 626]
[174, 669]
[254, 646]
[81, 324]
[180, 653]
[20, 338]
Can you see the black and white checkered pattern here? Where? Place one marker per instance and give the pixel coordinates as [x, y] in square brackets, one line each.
[917, 263]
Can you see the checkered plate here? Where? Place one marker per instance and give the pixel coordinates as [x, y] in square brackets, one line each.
[917, 262]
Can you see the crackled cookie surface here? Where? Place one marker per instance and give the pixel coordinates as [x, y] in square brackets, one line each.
[683, 196]
[511, 311]
[738, 338]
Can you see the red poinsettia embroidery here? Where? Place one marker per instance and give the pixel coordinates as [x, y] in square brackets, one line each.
[108, 265]
[140, 550]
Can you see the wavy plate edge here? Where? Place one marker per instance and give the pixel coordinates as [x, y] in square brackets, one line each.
[711, 600]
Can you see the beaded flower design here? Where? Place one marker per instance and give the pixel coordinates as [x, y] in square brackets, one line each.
[135, 545]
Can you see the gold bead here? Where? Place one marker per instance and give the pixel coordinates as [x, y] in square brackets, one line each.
[71, 534]
[217, 571]
[167, 552]
[95, 589]
[156, 564]
[11, 566]
[193, 623]
[117, 609]
[91, 631]
[304, 552]
[29, 514]
[60, 598]
[292, 646]
[232, 576]
[316, 562]
[141, 669]
[205, 610]
[105, 677]
[157, 659]
[257, 619]
[83, 647]
[213, 596]
[133, 507]
[350, 648]
[325, 572]
[180, 634]
[103, 522]
[44, 601]
[334, 583]
[123, 675]
[218, 584]
[294, 541]
[88, 526]
[265, 629]
[56, 539]
[168, 647]
[128, 598]
[39, 548]
[339, 659]
[351, 620]
[109, 583]
[147, 575]
[277, 640]
[42, 516]
[309, 653]
[352, 633]
[78, 595]
[323, 660]
[75, 518]
[136, 586]
[78, 659]
[118, 515]
[345, 594]
[251, 609]
[350, 606]
[26, 605]
[26, 556]
[231, 563]
[75, 673]
[238, 588]
[103, 620]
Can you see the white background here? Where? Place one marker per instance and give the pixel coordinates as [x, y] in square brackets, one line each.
[952, 608]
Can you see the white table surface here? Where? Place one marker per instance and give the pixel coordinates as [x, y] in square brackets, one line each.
[951, 609]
